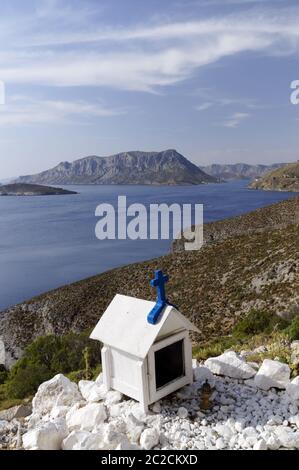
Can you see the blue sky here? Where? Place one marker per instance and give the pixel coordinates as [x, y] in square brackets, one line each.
[210, 78]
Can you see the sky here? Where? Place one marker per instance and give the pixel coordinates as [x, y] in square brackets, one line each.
[210, 78]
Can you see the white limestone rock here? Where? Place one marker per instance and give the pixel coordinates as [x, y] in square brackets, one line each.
[87, 417]
[47, 436]
[260, 445]
[59, 391]
[182, 412]
[149, 438]
[292, 389]
[230, 364]
[272, 374]
[92, 391]
[113, 397]
[75, 440]
[134, 428]
[287, 437]
[201, 374]
[59, 412]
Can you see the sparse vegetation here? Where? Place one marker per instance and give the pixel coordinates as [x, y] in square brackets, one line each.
[293, 330]
[49, 355]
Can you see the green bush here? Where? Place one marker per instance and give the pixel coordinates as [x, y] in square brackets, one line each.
[257, 322]
[293, 330]
[50, 355]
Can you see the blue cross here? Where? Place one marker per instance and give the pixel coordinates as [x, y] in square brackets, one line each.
[159, 282]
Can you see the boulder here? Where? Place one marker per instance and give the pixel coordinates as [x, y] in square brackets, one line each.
[230, 364]
[59, 391]
[272, 374]
[113, 397]
[87, 417]
[201, 374]
[134, 428]
[149, 438]
[16, 412]
[47, 436]
[292, 389]
[92, 391]
[75, 440]
[59, 412]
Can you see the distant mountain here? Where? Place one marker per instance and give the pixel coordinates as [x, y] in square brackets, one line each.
[22, 189]
[168, 167]
[239, 171]
[282, 179]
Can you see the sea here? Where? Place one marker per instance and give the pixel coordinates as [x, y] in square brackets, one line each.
[50, 241]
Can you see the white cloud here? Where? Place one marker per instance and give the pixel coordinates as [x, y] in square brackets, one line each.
[143, 58]
[23, 110]
[235, 119]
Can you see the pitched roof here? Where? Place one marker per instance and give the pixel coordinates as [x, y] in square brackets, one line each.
[124, 325]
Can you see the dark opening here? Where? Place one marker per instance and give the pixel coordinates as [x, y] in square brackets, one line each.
[169, 363]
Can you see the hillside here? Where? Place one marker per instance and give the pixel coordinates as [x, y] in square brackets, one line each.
[168, 167]
[22, 189]
[282, 179]
[239, 171]
[266, 218]
[214, 287]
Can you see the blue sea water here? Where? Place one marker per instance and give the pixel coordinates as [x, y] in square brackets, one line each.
[49, 241]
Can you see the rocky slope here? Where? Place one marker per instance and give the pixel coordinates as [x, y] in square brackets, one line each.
[239, 171]
[22, 189]
[250, 406]
[266, 218]
[168, 167]
[214, 287]
[282, 179]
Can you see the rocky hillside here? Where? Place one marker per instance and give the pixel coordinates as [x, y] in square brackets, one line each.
[22, 189]
[239, 171]
[168, 167]
[282, 179]
[214, 287]
[263, 219]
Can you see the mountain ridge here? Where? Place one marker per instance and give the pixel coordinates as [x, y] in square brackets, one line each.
[135, 167]
[232, 171]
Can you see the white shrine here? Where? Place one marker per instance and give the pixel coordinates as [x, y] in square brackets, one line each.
[147, 351]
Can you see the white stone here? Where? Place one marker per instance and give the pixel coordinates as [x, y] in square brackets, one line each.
[92, 391]
[202, 374]
[182, 412]
[87, 417]
[156, 408]
[194, 363]
[260, 445]
[149, 438]
[220, 444]
[75, 440]
[287, 437]
[292, 389]
[47, 436]
[295, 344]
[59, 391]
[230, 364]
[272, 374]
[59, 412]
[113, 397]
[134, 428]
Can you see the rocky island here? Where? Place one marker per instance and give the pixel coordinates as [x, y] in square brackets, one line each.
[159, 168]
[281, 179]
[22, 189]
